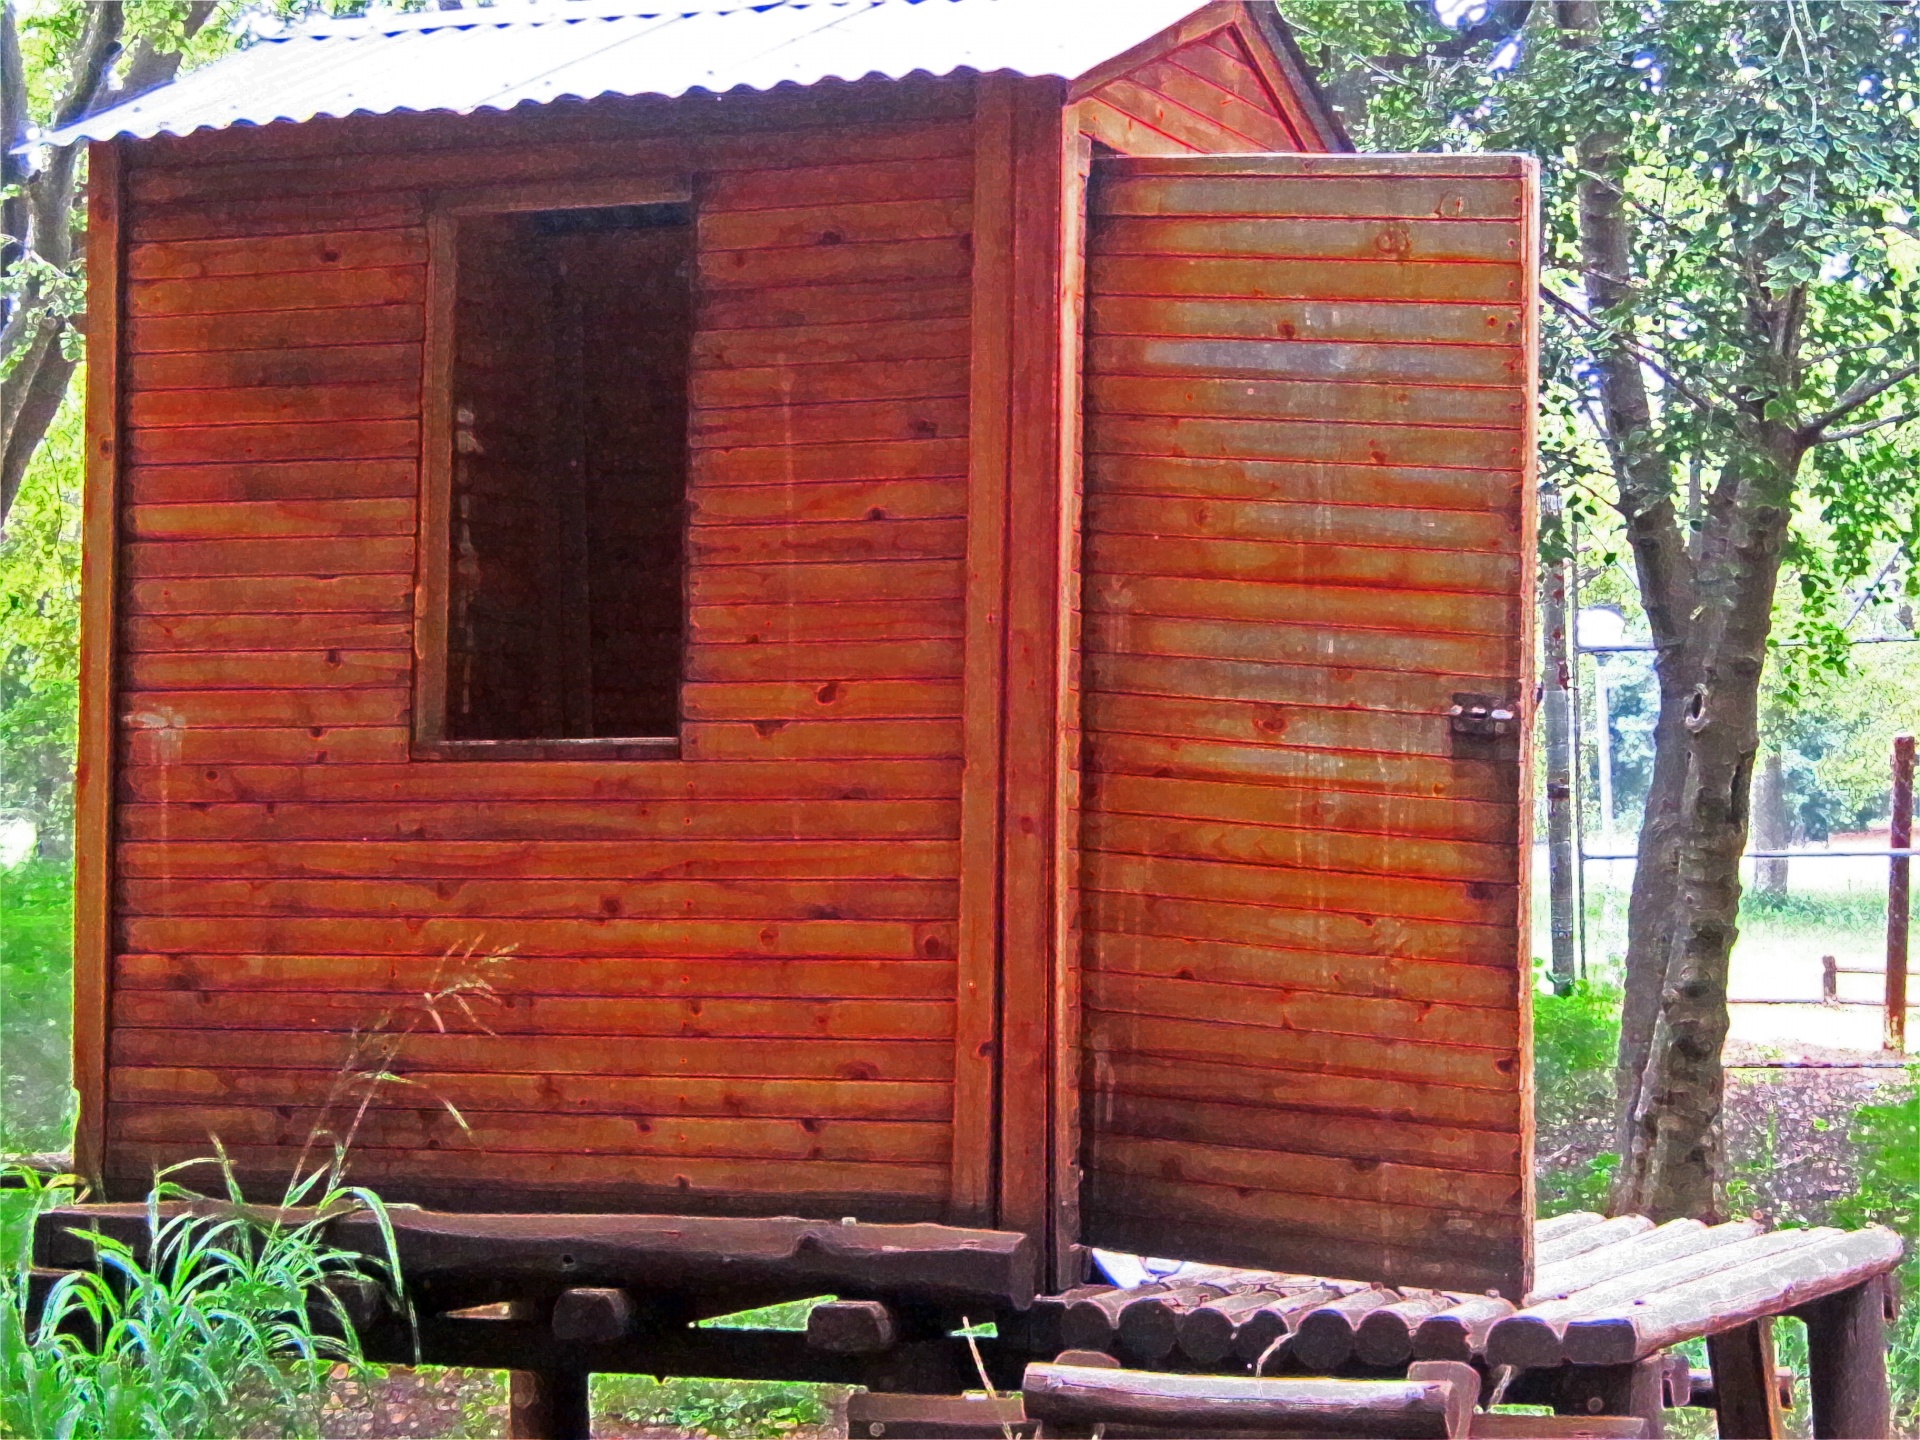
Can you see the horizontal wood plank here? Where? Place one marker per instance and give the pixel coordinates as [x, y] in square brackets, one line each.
[655, 859]
[604, 820]
[549, 1094]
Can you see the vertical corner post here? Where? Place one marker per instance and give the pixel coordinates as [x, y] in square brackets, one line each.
[977, 1021]
[1035, 800]
[99, 607]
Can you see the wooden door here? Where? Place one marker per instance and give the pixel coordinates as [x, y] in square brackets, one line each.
[1308, 539]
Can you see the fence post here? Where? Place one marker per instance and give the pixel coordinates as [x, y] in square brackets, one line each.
[1556, 713]
[1829, 980]
[1900, 837]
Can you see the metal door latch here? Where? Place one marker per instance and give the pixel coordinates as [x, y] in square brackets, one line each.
[1481, 716]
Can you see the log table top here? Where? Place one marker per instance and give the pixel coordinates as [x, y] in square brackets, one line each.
[1606, 1292]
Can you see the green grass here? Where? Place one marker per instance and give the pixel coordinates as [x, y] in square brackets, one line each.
[726, 1409]
[36, 1007]
[212, 1325]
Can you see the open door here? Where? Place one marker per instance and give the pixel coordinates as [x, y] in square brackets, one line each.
[1306, 688]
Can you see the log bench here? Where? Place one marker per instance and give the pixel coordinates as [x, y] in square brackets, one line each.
[585, 1294]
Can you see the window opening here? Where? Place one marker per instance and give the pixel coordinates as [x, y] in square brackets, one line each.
[566, 610]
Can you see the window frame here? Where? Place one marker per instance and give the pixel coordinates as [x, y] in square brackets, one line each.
[432, 566]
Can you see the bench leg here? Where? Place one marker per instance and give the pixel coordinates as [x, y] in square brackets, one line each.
[549, 1405]
[1847, 1363]
[1639, 1389]
[1746, 1394]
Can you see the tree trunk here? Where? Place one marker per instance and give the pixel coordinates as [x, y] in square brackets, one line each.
[1663, 568]
[1671, 1166]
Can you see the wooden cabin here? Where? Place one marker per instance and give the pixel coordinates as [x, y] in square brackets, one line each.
[934, 594]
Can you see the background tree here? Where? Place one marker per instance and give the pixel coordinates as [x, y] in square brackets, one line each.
[60, 62]
[1734, 344]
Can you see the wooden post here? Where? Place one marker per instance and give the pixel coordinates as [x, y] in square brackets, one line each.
[1900, 837]
[1638, 1389]
[549, 1405]
[1746, 1392]
[546, 1404]
[1556, 713]
[1847, 1363]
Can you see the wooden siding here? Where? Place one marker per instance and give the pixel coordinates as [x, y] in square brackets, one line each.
[730, 979]
[1209, 96]
[1307, 530]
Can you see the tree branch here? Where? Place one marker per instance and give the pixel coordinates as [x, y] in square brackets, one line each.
[1866, 388]
[33, 400]
[99, 47]
[151, 65]
[1639, 352]
[1854, 432]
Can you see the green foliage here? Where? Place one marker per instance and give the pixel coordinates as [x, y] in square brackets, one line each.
[1575, 1039]
[1770, 156]
[727, 1410]
[40, 635]
[36, 1006]
[1887, 1137]
[213, 1314]
[1584, 1187]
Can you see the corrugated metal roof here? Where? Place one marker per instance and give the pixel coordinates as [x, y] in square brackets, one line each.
[538, 51]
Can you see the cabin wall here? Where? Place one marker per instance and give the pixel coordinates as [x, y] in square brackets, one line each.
[723, 982]
[1168, 97]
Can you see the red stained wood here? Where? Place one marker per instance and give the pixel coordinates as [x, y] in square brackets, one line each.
[275, 329]
[269, 669]
[779, 740]
[770, 703]
[384, 594]
[723, 227]
[341, 481]
[802, 584]
[355, 555]
[314, 290]
[827, 621]
[319, 519]
[795, 861]
[822, 382]
[363, 247]
[390, 980]
[624, 1182]
[479, 780]
[429, 1050]
[597, 901]
[618, 821]
[560, 1094]
[215, 370]
[396, 1128]
[885, 399]
[834, 343]
[1275, 629]
[325, 440]
[308, 745]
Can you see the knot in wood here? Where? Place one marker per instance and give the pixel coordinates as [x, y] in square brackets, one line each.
[1699, 714]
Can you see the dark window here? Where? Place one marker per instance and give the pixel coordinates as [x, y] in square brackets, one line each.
[566, 612]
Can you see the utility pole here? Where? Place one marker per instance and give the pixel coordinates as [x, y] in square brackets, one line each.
[1556, 711]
